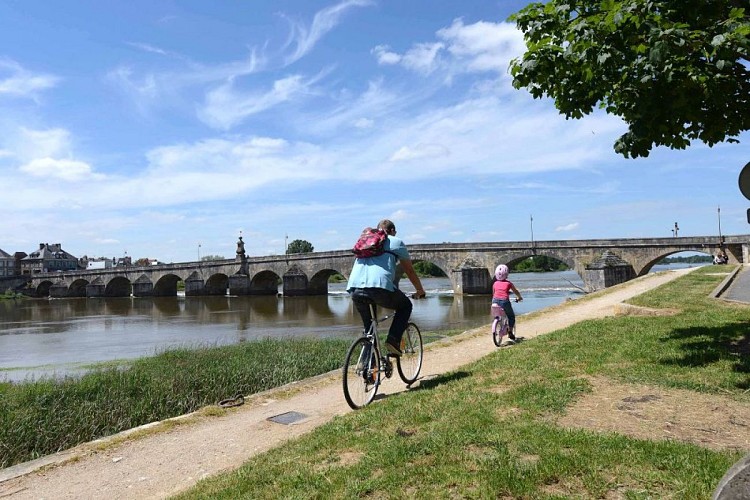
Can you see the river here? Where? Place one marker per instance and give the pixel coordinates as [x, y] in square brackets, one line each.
[56, 337]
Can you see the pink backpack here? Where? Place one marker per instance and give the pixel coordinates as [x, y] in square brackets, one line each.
[370, 243]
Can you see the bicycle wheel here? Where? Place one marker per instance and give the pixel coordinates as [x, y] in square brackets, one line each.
[499, 329]
[361, 376]
[410, 361]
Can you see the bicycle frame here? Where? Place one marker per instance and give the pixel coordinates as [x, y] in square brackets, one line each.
[364, 369]
[384, 365]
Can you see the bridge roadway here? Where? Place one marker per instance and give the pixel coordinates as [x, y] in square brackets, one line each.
[600, 263]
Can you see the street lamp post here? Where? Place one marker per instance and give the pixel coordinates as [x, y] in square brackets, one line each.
[199, 252]
[531, 222]
[718, 212]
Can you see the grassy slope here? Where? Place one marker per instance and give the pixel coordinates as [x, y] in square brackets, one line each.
[488, 431]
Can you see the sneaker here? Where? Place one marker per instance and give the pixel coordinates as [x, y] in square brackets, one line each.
[511, 335]
[392, 349]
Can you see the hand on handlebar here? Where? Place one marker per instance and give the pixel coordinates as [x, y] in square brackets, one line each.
[419, 295]
[518, 299]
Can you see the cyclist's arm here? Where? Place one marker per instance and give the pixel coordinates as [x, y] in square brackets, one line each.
[412, 275]
[515, 290]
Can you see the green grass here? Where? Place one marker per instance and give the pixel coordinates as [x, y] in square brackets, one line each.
[48, 415]
[488, 430]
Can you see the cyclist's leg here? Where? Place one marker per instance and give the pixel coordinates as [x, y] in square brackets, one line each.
[359, 297]
[395, 300]
[399, 302]
[508, 308]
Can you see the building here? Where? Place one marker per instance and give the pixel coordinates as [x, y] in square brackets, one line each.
[99, 263]
[49, 258]
[7, 264]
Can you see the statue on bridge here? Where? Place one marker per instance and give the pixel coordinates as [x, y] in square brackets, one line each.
[241, 256]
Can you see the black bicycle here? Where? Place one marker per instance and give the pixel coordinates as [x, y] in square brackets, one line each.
[365, 365]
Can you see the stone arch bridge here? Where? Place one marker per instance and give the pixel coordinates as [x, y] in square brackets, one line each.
[600, 263]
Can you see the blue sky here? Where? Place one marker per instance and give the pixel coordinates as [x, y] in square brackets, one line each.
[163, 129]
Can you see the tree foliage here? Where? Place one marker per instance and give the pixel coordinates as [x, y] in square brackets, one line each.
[428, 270]
[673, 70]
[206, 258]
[299, 246]
[538, 264]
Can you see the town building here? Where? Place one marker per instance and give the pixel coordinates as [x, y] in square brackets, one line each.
[48, 258]
[7, 264]
[100, 263]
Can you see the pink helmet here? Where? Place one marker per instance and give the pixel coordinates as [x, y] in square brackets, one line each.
[501, 272]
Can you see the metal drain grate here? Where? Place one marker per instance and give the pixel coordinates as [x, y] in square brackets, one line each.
[287, 418]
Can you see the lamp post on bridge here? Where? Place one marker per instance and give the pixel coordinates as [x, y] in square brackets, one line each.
[674, 231]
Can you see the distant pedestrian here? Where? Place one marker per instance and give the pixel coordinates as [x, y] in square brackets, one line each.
[501, 290]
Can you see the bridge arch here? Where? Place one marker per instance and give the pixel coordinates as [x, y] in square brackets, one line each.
[119, 286]
[318, 284]
[166, 286]
[78, 288]
[217, 284]
[649, 265]
[265, 283]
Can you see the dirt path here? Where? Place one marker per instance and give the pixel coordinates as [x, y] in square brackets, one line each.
[163, 459]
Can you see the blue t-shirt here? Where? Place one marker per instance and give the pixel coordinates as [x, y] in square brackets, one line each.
[378, 271]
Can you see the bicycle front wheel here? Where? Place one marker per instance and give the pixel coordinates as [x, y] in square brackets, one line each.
[361, 376]
[410, 361]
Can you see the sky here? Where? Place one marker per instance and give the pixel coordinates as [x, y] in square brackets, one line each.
[167, 129]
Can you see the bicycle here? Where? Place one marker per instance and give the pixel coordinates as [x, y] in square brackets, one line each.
[500, 325]
[365, 365]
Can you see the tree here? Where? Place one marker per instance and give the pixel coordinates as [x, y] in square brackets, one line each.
[673, 70]
[299, 246]
[212, 257]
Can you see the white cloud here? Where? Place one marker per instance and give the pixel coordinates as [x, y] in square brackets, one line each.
[483, 46]
[324, 21]
[478, 47]
[227, 106]
[419, 152]
[16, 81]
[68, 170]
[567, 227]
[422, 57]
[384, 55]
[364, 123]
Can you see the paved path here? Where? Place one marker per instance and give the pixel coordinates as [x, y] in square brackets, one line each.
[739, 290]
[159, 464]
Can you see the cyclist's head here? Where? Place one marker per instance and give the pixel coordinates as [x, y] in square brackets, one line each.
[387, 226]
[501, 272]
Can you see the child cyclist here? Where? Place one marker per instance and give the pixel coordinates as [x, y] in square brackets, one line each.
[501, 289]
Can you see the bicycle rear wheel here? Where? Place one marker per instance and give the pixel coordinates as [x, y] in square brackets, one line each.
[361, 376]
[499, 329]
[410, 361]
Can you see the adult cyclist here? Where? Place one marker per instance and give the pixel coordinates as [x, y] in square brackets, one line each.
[375, 278]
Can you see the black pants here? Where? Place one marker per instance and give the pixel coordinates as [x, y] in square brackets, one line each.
[395, 300]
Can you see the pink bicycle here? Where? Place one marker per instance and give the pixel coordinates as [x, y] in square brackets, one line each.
[500, 325]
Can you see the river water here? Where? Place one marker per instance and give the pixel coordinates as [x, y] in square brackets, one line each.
[55, 337]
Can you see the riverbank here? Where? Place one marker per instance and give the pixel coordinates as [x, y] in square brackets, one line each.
[187, 449]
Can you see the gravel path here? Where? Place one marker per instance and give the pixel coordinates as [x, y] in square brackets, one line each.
[159, 460]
